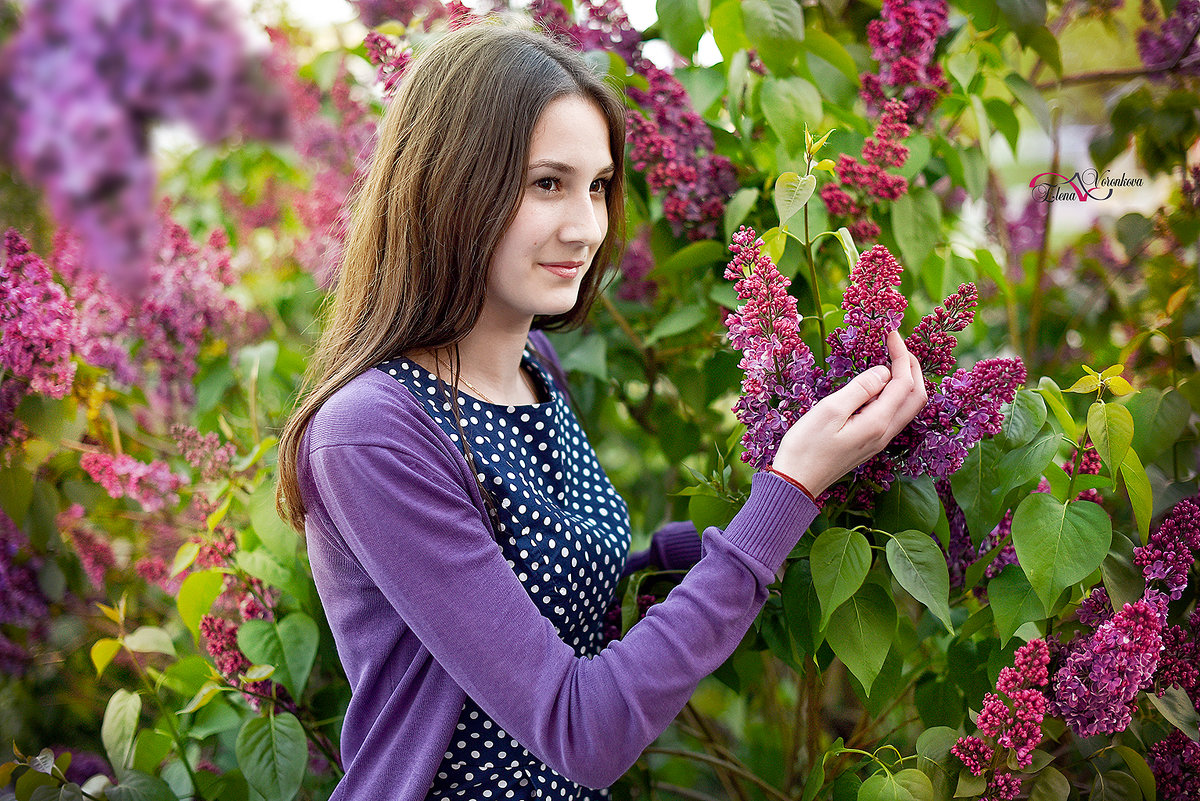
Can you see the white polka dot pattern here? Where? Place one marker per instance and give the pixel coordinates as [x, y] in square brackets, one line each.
[564, 531]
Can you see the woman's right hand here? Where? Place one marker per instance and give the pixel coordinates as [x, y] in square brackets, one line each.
[851, 425]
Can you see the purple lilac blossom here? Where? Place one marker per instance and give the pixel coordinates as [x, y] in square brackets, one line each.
[23, 606]
[636, 285]
[863, 184]
[1100, 674]
[376, 12]
[777, 387]
[1172, 548]
[1175, 47]
[1175, 762]
[903, 41]
[91, 79]
[1180, 662]
[37, 322]
[152, 485]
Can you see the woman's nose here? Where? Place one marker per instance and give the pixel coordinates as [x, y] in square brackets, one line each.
[585, 221]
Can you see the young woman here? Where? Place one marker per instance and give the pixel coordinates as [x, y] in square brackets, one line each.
[463, 538]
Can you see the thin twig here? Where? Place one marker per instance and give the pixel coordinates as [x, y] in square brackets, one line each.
[772, 792]
[709, 741]
[684, 792]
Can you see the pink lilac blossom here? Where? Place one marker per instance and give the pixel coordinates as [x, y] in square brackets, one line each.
[861, 185]
[390, 58]
[1100, 675]
[1010, 718]
[37, 322]
[1172, 549]
[90, 80]
[95, 553]
[931, 341]
[903, 41]
[376, 12]
[1175, 762]
[152, 485]
[1002, 787]
[1175, 48]
[204, 451]
[152, 338]
[1180, 662]
[636, 285]
[23, 605]
[778, 384]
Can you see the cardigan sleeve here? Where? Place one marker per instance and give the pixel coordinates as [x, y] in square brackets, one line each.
[414, 526]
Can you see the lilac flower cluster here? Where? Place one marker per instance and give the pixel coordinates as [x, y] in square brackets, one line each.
[23, 606]
[638, 261]
[1099, 675]
[1172, 548]
[903, 41]
[777, 387]
[862, 184]
[376, 12]
[152, 485]
[390, 58]
[1175, 762]
[781, 381]
[87, 81]
[153, 339]
[36, 321]
[1179, 665]
[1175, 48]
[931, 341]
[95, 553]
[1011, 718]
[204, 451]
[605, 27]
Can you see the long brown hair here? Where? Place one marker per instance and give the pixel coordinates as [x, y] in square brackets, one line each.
[445, 184]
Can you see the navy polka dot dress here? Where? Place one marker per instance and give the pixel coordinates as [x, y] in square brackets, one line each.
[564, 531]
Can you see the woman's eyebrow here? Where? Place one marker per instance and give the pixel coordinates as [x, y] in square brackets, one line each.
[562, 166]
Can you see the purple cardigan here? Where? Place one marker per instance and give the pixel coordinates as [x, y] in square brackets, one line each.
[424, 607]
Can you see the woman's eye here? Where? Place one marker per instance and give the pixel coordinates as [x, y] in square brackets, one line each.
[549, 184]
[600, 185]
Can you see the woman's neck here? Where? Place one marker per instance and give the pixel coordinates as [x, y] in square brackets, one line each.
[490, 361]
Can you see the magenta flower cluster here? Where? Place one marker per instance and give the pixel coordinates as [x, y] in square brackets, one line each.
[1011, 718]
[863, 184]
[781, 381]
[777, 385]
[636, 264]
[376, 12]
[390, 58]
[1175, 762]
[152, 484]
[1175, 47]
[23, 605]
[87, 81]
[903, 41]
[1169, 554]
[1100, 674]
[93, 549]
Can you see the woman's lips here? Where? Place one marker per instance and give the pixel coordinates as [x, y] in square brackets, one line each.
[564, 269]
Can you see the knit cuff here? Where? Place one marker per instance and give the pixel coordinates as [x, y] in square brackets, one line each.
[676, 546]
[772, 520]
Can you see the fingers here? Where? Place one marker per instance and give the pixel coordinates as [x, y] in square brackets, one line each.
[863, 388]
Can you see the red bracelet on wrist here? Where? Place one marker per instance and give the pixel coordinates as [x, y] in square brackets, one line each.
[793, 482]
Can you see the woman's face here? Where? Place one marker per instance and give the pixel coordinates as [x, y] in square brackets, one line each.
[562, 219]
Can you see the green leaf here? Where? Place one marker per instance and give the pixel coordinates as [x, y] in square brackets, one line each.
[789, 104]
[280, 538]
[939, 703]
[910, 503]
[916, 224]
[847, 242]
[1141, 496]
[1027, 462]
[103, 652]
[589, 356]
[67, 792]
[272, 754]
[1005, 121]
[1115, 785]
[840, 561]
[119, 726]
[1023, 419]
[206, 693]
[1122, 578]
[736, 210]
[150, 639]
[1085, 385]
[150, 749]
[920, 567]
[825, 46]
[196, 596]
[906, 785]
[1059, 544]
[1175, 706]
[681, 25]
[184, 557]
[1050, 785]
[1139, 770]
[137, 786]
[792, 192]
[677, 322]
[1054, 399]
[776, 29]
[1045, 45]
[974, 489]
[801, 607]
[290, 645]
[691, 257]
[1030, 97]
[860, 632]
[1110, 426]
[1159, 419]
[1013, 601]
[1024, 16]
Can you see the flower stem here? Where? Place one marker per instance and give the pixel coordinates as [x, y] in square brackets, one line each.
[168, 717]
[816, 290]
